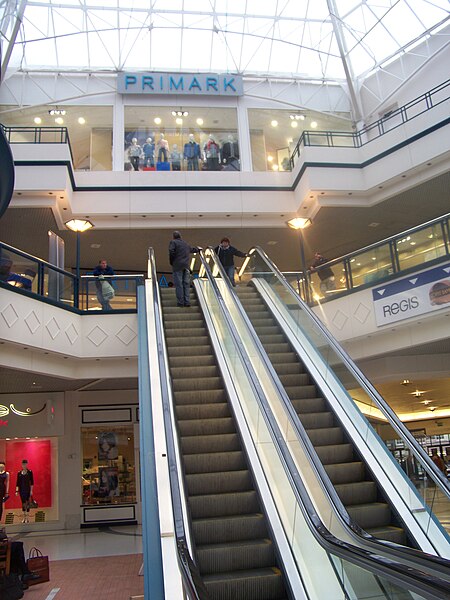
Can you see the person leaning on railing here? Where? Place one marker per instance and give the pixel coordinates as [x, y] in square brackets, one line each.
[326, 275]
[105, 291]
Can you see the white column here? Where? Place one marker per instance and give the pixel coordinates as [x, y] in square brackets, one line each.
[118, 134]
[244, 137]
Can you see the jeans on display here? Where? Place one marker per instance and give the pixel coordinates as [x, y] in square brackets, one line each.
[230, 272]
[134, 160]
[182, 281]
[149, 161]
[176, 166]
[162, 152]
[192, 163]
[213, 164]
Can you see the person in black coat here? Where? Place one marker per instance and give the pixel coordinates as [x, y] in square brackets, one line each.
[179, 258]
[226, 254]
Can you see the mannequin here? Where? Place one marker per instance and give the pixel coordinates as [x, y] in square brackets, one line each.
[134, 153]
[230, 154]
[24, 487]
[163, 149]
[149, 153]
[192, 153]
[175, 156]
[212, 155]
[4, 486]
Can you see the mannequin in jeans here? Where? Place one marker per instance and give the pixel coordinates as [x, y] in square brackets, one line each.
[134, 154]
[149, 153]
[163, 149]
[175, 157]
[192, 153]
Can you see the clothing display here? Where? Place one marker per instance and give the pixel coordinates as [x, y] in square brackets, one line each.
[175, 157]
[163, 150]
[212, 154]
[192, 155]
[149, 153]
[134, 153]
[229, 151]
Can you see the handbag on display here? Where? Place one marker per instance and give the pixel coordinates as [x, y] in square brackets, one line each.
[33, 503]
[38, 563]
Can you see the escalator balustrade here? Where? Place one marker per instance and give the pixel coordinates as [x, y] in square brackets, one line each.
[359, 493]
[234, 553]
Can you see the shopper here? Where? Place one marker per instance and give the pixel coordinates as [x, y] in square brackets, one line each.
[105, 291]
[326, 275]
[438, 461]
[226, 254]
[4, 486]
[179, 257]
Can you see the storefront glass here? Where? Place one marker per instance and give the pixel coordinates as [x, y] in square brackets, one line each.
[421, 246]
[89, 128]
[196, 139]
[108, 475]
[275, 133]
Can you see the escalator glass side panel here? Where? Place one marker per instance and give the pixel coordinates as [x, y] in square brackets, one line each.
[335, 374]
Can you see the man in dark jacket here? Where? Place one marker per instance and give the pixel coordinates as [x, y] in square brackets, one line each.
[100, 271]
[179, 257]
[326, 275]
[226, 254]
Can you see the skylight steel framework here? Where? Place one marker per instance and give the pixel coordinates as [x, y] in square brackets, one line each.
[328, 41]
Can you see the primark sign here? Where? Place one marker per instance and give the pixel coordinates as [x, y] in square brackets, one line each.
[189, 84]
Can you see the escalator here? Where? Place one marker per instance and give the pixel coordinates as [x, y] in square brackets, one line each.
[232, 542]
[357, 489]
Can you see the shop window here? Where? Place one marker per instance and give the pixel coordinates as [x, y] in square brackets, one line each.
[197, 139]
[420, 247]
[108, 471]
[275, 133]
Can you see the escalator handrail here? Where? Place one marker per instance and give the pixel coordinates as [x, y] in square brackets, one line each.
[391, 547]
[392, 569]
[188, 570]
[381, 403]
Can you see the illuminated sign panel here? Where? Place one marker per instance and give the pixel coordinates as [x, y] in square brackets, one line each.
[190, 84]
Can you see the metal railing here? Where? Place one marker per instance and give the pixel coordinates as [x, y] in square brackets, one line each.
[390, 121]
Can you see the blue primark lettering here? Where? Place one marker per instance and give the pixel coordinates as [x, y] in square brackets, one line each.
[147, 82]
[195, 83]
[228, 84]
[130, 80]
[173, 84]
[211, 82]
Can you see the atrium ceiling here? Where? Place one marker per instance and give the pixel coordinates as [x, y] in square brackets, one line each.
[328, 41]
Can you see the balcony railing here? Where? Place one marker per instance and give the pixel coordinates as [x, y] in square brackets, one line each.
[39, 278]
[389, 122]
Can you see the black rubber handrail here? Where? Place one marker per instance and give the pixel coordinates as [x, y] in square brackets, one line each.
[431, 586]
[190, 574]
[377, 544]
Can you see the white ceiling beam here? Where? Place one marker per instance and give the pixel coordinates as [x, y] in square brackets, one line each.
[12, 40]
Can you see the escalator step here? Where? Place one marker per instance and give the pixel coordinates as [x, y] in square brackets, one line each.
[211, 462]
[192, 352]
[222, 558]
[196, 444]
[376, 514]
[223, 505]
[361, 492]
[194, 371]
[301, 391]
[186, 361]
[229, 529]
[325, 436]
[340, 453]
[202, 411]
[203, 427]
[308, 405]
[200, 397]
[190, 332]
[186, 341]
[283, 357]
[348, 472]
[390, 533]
[258, 584]
[205, 383]
[272, 338]
[200, 484]
[272, 348]
[317, 420]
[267, 329]
[295, 379]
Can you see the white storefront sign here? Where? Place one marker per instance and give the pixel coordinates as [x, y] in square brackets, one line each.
[412, 296]
[191, 84]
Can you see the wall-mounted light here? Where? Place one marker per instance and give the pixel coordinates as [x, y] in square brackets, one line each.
[56, 111]
[180, 113]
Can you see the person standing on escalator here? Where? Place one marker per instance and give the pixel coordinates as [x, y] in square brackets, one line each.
[226, 254]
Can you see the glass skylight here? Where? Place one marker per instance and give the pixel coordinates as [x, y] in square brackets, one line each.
[280, 38]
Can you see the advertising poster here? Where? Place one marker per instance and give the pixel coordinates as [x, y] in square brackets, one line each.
[412, 296]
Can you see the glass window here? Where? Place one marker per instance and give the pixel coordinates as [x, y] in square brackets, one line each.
[195, 139]
[108, 475]
[89, 128]
[420, 247]
[370, 266]
[275, 133]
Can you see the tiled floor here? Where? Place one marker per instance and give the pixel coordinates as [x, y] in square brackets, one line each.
[94, 563]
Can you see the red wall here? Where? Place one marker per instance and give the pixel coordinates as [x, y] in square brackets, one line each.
[38, 454]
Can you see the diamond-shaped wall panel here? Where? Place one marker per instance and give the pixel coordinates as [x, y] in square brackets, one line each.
[126, 335]
[32, 322]
[53, 328]
[72, 334]
[339, 320]
[362, 312]
[10, 315]
[97, 336]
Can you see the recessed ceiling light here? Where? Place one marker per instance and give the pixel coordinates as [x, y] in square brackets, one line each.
[199, 121]
[374, 224]
[157, 120]
[274, 123]
[95, 246]
[272, 243]
[179, 121]
[59, 121]
[81, 120]
[314, 124]
[270, 158]
[37, 120]
[294, 124]
[275, 167]
[405, 381]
